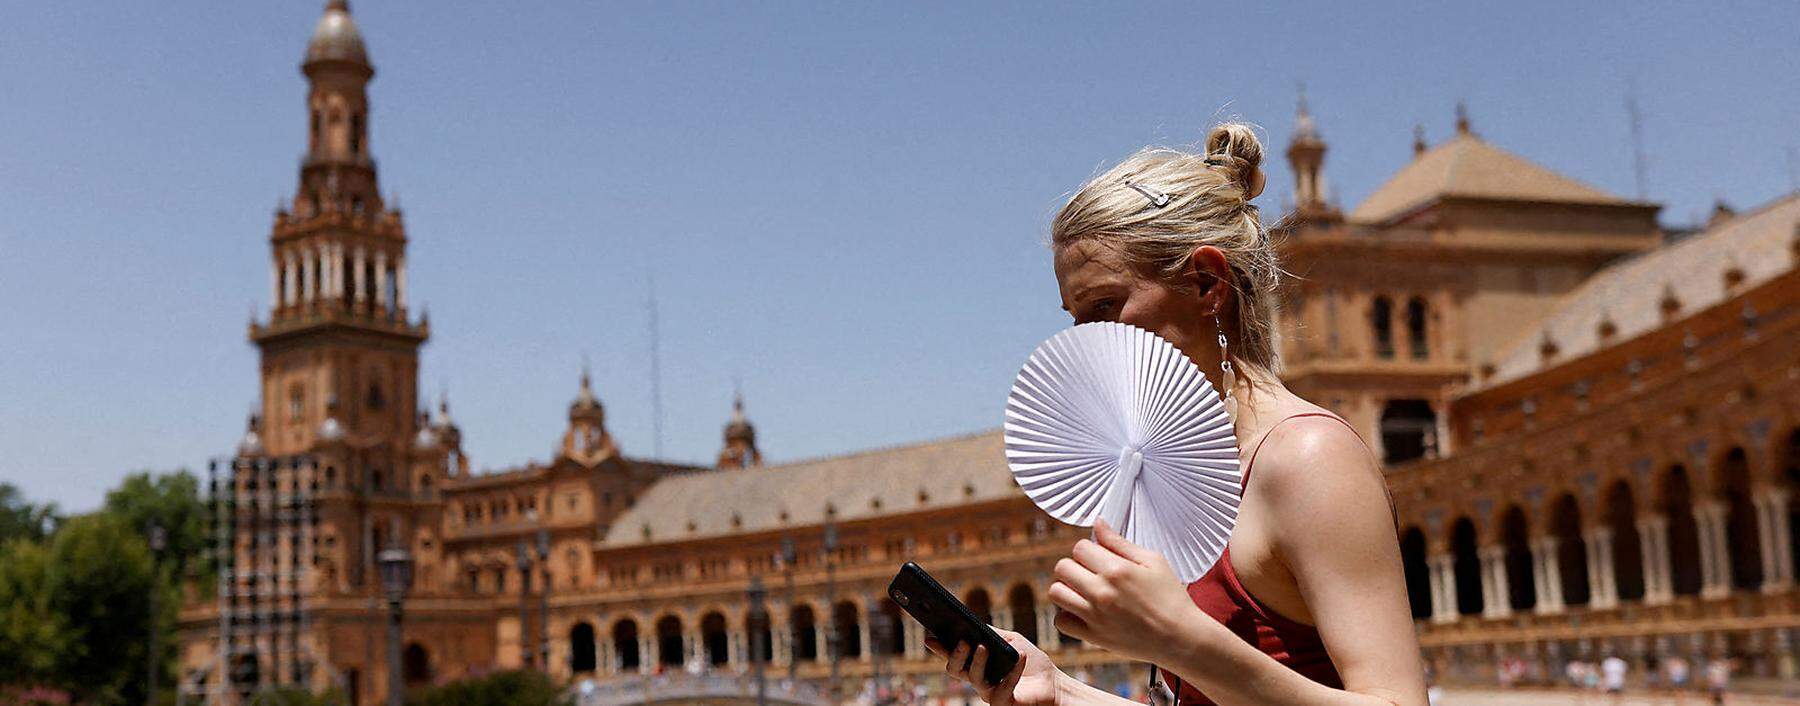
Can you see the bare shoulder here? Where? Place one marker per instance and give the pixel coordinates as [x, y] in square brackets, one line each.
[1317, 458]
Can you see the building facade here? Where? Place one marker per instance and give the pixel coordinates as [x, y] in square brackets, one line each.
[1590, 429]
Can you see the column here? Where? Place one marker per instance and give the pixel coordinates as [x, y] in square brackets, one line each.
[603, 654]
[821, 645]
[1603, 581]
[863, 631]
[735, 640]
[781, 639]
[646, 652]
[400, 283]
[1443, 588]
[1549, 575]
[356, 275]
[274, 284]
[334, 272]
[308, 265]
[1048, 639]
[291, 293]
[1776, 539]
[1653, 531]
[1494, 600]
[695, 646]
[1715, 554]
[1003, 617]
[915, 638]
[381, 300]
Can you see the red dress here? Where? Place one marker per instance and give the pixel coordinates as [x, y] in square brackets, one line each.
[1219, 593]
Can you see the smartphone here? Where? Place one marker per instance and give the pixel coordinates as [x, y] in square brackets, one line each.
[949, 621]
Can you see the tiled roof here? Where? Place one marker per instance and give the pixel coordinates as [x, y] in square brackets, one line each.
[943, 473]
[1629, 293]
[1468, 167]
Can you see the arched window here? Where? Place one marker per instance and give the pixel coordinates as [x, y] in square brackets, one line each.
[1416, 337]
[1381, 322]
[1571, 551]
[1627, 554]
[625, 644]
[1408, 430]
[889, 630]
[375, 399]
[356, 134]
[714, 639]
[802, 625]
[1417, 570]
[1684, 532]
[1521, 589]
[848, 628]
[581, 648]
[415, 665]
[669, 650]
[1467, 567]
[312, 135]
[1740, 523]
[981, 605]
[1023, 605]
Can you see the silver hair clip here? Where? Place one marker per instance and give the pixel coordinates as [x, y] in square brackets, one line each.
[1157, 198]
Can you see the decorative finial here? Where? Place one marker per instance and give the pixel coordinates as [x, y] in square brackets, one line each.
[340, 5]
[1419, 145]
[1305, 129]
[586, 385]
[1462, 118]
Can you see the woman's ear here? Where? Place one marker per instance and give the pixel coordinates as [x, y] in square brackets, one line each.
[1208, 272]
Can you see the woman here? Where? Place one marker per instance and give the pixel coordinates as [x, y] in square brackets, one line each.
[1308, 604]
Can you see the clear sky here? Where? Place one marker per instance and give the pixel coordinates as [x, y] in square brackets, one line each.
[843, 205]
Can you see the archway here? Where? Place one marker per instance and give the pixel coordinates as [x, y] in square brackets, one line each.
[1407, 430]
[761, 643]
[1684, 533]
[1023, 605]
[845, 620]
[714, 639]
[669, 650]
[1418, 571]
[415, 665]
[1571, 550]
[1627, 548]
[1792, 475]
[1515, 537]
[581, 648]
[981, 605]
[1467, 567]
[801, 625]
[889, 634]
[1741, 536]
[625, 644]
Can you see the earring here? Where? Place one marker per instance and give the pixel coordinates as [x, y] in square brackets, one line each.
[1227, 378]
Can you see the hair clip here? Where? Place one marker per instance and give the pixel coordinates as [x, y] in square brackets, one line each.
[1157, 198]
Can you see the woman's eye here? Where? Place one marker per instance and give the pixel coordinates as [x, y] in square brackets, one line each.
[1103, 310]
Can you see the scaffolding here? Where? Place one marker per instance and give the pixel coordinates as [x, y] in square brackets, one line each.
[264, 521]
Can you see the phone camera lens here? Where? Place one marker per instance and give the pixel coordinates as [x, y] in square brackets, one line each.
[899, 596]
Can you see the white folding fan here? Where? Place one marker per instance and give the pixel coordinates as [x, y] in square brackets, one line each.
[1107, 420]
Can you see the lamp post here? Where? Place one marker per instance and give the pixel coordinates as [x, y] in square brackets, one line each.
[787, 568]
[543, 557]
[757, 622]
[832, 639]
[396, 578]
[158, 539]
[523, 559]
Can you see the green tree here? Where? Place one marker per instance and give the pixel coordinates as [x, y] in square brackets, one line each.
[511, 688]
[22, 519]
[34, 638]
[101, 578]
[173, 501]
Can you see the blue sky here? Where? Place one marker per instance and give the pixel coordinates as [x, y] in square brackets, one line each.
[843, 205]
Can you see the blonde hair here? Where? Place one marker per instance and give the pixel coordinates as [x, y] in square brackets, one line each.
[1160, 204]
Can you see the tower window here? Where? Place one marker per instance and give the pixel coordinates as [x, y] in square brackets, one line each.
[356, 134]
[376, 400]
[1381, 315]
[296, 403]
[1415, 328]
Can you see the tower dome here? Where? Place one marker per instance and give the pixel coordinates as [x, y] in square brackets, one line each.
[740, 439]
[336, 37]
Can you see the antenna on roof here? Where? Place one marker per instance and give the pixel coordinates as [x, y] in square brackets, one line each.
[655, 374]
[1638, 166]
[1793, 164]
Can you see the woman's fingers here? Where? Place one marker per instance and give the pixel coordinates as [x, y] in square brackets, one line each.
[932, 646]
[953, 666]
[1003, 694]
[1078, 577]
[978, 671]
[1072, 625]
[1067, 599]
[1096, 557]
[1118, 544]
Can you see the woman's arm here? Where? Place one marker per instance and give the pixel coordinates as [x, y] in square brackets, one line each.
[1333, 528]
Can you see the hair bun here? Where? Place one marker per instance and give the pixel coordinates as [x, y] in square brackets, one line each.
[1234, 148]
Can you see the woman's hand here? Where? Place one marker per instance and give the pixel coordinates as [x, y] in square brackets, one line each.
[1034, 681]
[1122, 597]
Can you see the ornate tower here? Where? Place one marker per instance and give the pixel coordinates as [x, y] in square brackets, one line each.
[339, 353]
[586, 441]
[740, 440]
[1306, 155]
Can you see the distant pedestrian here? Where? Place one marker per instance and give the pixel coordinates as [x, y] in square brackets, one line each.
[1718, 678]
[1612, 674]
[1676, 668]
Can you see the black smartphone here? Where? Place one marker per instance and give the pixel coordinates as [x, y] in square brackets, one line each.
[949, 621]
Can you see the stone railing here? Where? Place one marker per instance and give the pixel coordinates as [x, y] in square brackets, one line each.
[693, 688]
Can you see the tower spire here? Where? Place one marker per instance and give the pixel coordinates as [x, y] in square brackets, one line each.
[1306, 156]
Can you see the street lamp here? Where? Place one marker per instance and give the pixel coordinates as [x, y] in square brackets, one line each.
[832, 639]
[396, 578]
[158, 539]
[758, 623]
[523, 558]
[787, 567]
[543, 557]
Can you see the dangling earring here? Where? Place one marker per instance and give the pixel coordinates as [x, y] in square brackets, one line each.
[1227, 378]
